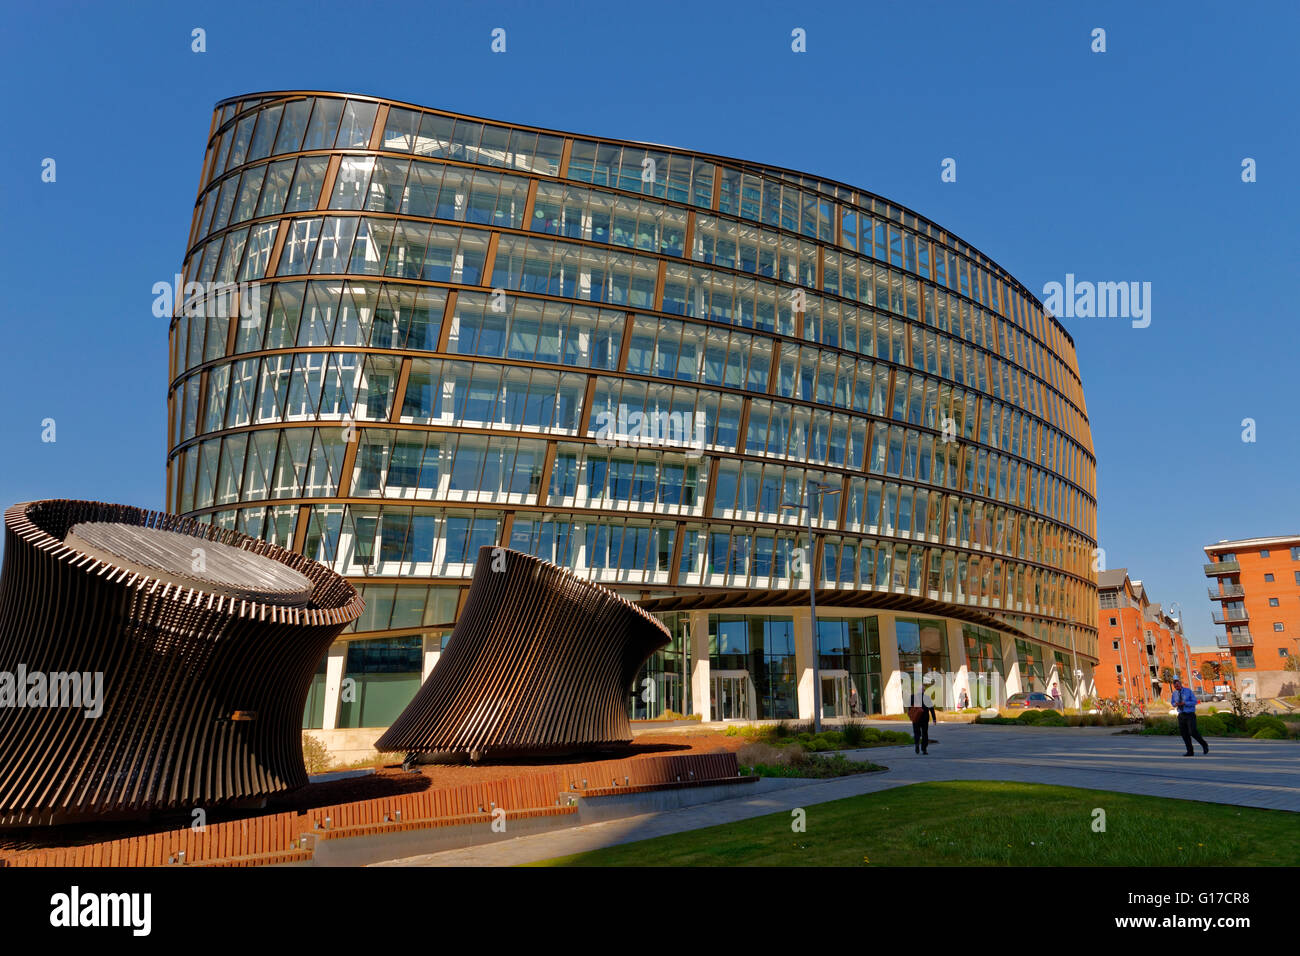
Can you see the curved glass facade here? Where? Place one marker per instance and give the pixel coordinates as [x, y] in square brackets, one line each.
[406, 333]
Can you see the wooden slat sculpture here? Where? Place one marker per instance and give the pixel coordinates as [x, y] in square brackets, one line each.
[202, 642]
[540, 662]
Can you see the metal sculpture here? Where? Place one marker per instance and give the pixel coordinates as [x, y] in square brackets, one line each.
[198, 643]
[540, 662]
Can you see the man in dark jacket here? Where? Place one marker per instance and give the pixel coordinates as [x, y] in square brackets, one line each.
[1185, 700]
[921, 713]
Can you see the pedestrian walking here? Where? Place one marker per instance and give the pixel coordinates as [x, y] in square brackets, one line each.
[1185, 700]
[963, 700]
[1056, 697]
[854, 707]
[921, 713]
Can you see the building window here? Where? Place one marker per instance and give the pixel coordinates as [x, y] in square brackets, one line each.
[1114, 645]
[1295, 554]
[849, 650]
[757, 655]
[1113, 622]
[387, 674]
[1263, 554]
[1272, 602]
[1118, 669]
[1279, 626]
[1268, 578]
[1283, 652]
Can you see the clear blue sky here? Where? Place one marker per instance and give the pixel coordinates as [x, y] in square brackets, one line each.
[1117, 166]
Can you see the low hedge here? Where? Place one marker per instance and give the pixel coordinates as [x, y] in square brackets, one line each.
[1266, 722]
[1260, 727]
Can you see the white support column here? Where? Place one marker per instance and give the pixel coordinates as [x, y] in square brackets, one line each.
[803, 662]
[432, 649]
[701, 686]
[957, 664]
[892, 689]
[1011, 664]
[334, 665]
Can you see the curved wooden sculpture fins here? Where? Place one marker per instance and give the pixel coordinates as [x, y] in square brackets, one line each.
[203, 687]
[540, 661]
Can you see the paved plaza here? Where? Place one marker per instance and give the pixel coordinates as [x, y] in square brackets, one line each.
[1249, 773]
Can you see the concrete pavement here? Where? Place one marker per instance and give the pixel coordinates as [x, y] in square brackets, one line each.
[1251, 773]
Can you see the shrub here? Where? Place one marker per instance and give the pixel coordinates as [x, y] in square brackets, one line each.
[1212, 726]
[1165, 726]
[1232, 721]
[1269, 733]
[1030, 716]
[854, 733]
[1266, 722]
[836, 766]
[754, 754]
[315, 756]
[1051, 718]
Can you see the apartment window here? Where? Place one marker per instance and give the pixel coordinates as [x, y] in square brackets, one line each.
[1283, 652]
[1268, 578]
[1295, 554]
[1279, 626]
[1118, 669]
[1113, 621]
[1263, 554]
[1272, 602]
[1297, 577]
[1114, 645]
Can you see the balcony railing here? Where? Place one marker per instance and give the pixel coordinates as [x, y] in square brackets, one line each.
[1226, 617]
[1222, 567]
[1229, 591]
[1235, 640]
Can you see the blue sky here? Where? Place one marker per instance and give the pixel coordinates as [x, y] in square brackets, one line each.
[1115, 166]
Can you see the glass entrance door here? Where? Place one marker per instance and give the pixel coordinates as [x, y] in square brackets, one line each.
[835, 693]
[733, 695]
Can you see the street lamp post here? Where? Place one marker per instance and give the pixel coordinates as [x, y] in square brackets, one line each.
[820, 488]
[1187, 658]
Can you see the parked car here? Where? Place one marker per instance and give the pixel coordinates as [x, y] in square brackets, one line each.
[1034, 701]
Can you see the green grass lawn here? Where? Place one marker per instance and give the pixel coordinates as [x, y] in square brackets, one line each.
[980, 823]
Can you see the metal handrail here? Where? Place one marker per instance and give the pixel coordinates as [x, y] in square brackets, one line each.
[1225, 617]
[1229, 591]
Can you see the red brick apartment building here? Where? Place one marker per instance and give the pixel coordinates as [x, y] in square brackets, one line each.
[1255, 583]
[1211, 655]
[1136, 641]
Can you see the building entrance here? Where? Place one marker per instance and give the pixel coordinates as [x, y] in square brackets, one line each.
[733, 696]
[835, 693]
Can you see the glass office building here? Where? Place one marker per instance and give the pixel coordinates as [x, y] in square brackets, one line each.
[406, 333]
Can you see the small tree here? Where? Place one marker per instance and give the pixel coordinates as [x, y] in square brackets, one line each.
[1242, 708]
[315, 756]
